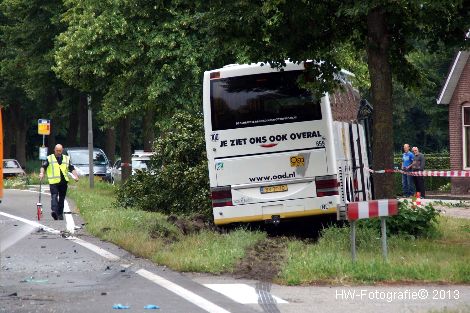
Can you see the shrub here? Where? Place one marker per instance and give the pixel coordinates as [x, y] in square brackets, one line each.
[177, 180]
[445, 188]
[416, 221]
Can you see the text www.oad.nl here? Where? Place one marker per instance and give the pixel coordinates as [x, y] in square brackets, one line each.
[265, 178]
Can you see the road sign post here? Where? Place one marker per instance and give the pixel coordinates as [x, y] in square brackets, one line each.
[90, 144]
[44, 129]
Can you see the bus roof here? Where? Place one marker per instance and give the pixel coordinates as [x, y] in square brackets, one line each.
[289, 66]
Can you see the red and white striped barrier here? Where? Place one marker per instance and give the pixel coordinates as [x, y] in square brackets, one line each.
[417, 202]
[424, 173]
[440, 173]
[372, 208]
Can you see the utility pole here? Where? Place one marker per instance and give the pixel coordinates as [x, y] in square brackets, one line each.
[90, 144]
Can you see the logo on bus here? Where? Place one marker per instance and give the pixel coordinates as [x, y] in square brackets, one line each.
[297, 161]
[219, 166]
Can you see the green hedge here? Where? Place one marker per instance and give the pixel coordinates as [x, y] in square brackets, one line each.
[437, 161]
[177, 180]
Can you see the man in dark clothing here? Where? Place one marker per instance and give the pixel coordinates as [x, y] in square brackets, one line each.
[418, 165]
[57, 167]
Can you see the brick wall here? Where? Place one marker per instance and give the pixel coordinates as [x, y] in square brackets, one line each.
[460, 97]
[345, 104]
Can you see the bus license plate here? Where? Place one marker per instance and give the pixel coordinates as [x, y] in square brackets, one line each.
[277, 188]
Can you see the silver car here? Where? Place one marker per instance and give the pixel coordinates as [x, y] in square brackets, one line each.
[139, 163]
[12, 168]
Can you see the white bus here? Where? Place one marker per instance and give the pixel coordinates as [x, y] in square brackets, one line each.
[274, 150]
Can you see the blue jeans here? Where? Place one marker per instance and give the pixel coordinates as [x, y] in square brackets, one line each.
[408, 185]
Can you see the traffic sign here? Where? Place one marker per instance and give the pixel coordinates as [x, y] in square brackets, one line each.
[44, 127]
[43, 153]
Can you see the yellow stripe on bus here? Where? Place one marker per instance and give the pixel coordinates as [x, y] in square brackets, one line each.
[256, 218]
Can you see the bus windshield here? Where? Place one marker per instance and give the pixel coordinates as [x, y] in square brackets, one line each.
[261, 99]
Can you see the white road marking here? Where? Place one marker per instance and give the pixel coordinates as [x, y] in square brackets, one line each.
[182, 292]
[100, 251]
[244, 294]
[69, 222]
[13, 237]
[89, 246]
[32, 223]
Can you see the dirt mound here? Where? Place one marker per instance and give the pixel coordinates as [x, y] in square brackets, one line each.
[190, 225]
[263, 261]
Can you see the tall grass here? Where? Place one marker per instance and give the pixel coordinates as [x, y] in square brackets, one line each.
[150, 235]
[443, 259]
[208, 251]
[32, 166]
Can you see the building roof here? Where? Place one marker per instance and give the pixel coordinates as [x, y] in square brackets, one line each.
[453, 78]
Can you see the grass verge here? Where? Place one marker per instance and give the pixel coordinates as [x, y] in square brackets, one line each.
[443, 258]
[150, 235]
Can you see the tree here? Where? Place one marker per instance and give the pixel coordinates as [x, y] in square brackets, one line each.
[28, 30]
[142, 58]
[417, 119]
[387, 31]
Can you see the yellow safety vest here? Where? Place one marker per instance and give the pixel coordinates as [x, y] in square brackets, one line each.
[54, 169]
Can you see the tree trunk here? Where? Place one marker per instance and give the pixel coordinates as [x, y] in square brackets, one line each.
[8, 133]
[21, 144]
[110, 144]
[378, 51]
[55, 119]
[72, 131]
[18, 119]
[51, 141]
[83, 119]
[125, 148]
[149, 130]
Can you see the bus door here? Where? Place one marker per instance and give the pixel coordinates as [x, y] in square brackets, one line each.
[352, 160]
[344, 160]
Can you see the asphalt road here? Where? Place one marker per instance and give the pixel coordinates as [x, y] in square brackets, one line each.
[44, 270]
[41, 271]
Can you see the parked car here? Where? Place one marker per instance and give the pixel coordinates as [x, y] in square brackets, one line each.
[142, 153]
[80, 159]
[12, 168]
[139, 163]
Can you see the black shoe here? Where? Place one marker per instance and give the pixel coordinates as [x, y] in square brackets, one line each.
[54, 215]
[61, 217]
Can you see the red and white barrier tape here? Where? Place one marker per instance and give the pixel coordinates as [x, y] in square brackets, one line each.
[440, 173]
[424, 173]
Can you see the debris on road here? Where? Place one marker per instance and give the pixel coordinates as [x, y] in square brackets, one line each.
[121, 307]
[34, 281]
[151, 307]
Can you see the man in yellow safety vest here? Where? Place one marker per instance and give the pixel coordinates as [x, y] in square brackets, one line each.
[57, 167]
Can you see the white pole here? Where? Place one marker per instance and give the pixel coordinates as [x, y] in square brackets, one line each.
[90, 144]
[353, 240]
[384, 237]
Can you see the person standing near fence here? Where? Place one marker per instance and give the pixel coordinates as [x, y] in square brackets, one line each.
[407, 180]
[418, 165]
